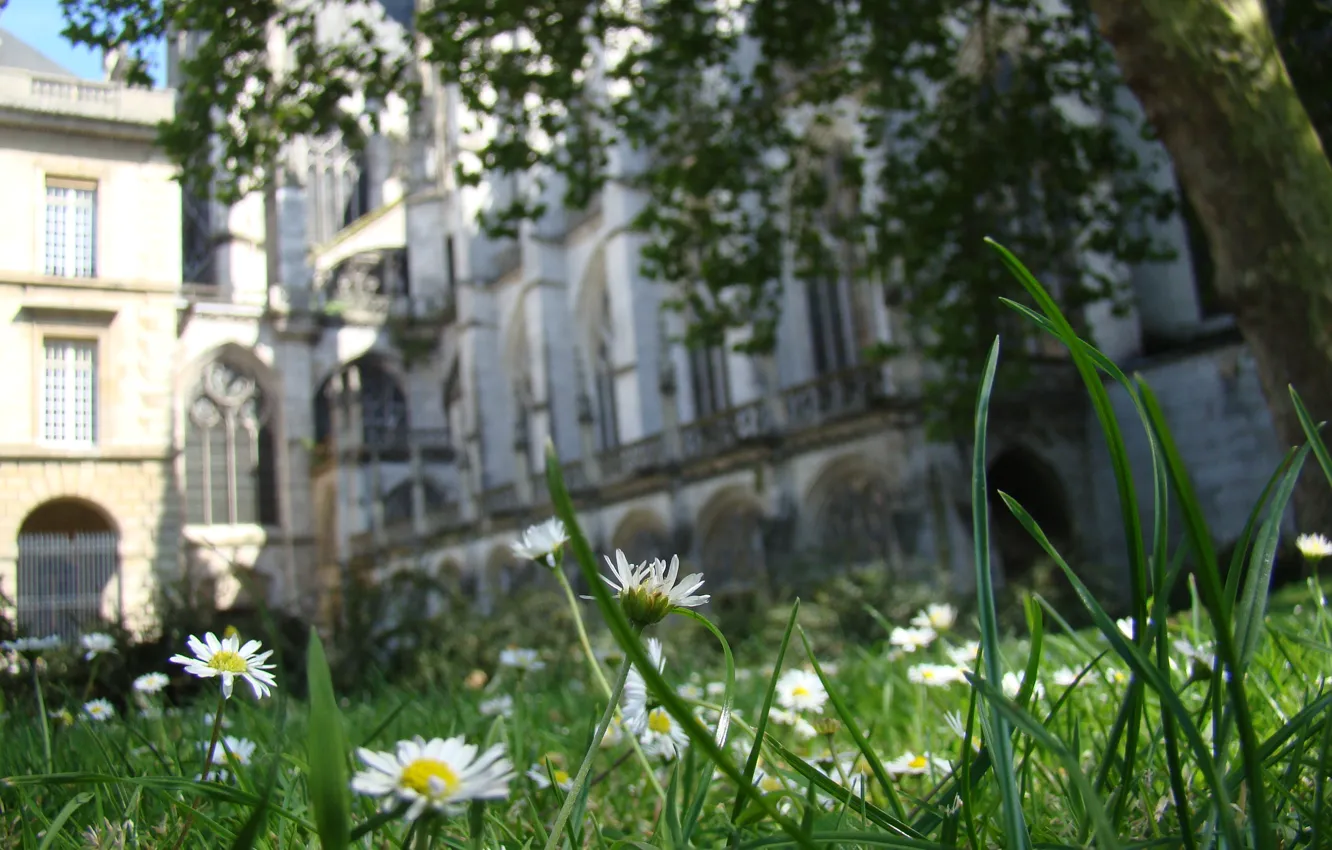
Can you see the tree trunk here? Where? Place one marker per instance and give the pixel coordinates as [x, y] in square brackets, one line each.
[1213, 85]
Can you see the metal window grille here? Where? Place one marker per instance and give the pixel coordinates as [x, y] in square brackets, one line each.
[69, 392]
[63, 582]
[71, 228]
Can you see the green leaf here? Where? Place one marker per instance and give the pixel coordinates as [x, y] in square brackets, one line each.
[64, 815]
[327, 753]
[1000, 741]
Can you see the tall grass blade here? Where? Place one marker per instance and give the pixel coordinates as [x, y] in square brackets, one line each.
[761, 726]
[1141, 666]
[66, 812]
[1311, 431]
[326, 753]
[1001, 743]
[1212, 592]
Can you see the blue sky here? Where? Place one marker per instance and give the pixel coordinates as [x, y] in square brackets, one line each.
[39, 22]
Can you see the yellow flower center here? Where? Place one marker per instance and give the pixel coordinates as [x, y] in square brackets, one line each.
[418, 774]
[770, 783]
[917, 763]
[800, 691]
[227, 661]
[659, 722]
[927, 674]
[561, 777]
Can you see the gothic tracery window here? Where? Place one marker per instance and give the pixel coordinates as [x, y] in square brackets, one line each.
[230, 471]
[733, 548]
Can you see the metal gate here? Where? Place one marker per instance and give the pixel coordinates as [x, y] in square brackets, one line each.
[62, 581]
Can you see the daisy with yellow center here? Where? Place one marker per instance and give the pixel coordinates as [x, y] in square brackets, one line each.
[939, 618]
[664, 737]
[544, 774]
[801, 690]
[935, 675]
[99, 709]
[437, 775]
[914, 764]
[227, 658]
[648, 592]
[1314, 547]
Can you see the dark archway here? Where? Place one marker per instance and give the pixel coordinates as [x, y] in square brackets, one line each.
[1032, 483]
[68, 554]
[856, 522]
[732, 549]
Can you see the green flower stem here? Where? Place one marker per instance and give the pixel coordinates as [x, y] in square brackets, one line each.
[582, 632]
[42, 719]
[576, 788]
[601, 678]
[208, 765]
[92, 676]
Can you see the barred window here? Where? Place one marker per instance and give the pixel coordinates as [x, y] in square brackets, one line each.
[71, 228]
[69, 392]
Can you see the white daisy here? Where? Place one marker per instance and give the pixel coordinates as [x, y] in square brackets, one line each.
[614, 734]
[716, 689]
[1204, 654]
[1066, 677]
[439, 774]
[690, 691]
[935, 675]
[542, 542]
[801, 690]
[910, 640]
[1315, 547]
[97, 643]
[521, 659]
[964, 655]
[151, 683]
[501, 705]
[939, 618]
[228, 658]
[664, 736]
[768, 782]
[636, 703]
[804, 730]
[99, 709]
[913, 764]
[648, 592]
[541, 775]
[241, 750]
[1012, 683]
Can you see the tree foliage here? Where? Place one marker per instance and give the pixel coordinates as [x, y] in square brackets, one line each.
[775, 138]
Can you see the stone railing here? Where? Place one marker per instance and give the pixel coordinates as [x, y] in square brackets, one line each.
[633, 458]
[25, 90]
[832, 396]
[501, 499]
[714, 435]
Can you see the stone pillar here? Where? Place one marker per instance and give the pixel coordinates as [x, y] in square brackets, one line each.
[377, 500]
[522, 452]
[352, 441]
[420, 525]
[469, 474]
[586, 424]
[667, 387]
[770, 386]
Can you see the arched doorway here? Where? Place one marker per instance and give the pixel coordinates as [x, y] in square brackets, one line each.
[68, 555]
[1034, 485]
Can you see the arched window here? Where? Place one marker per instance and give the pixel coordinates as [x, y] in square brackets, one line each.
[230, 469]
[733, 549]
[856, 522]
[837, 328]
[383, 405]
[603, 375]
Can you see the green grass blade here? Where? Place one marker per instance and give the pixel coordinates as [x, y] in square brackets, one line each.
[66, 812]
[327, 753]
[862, 743]
[1107, 840]
[1311, 431]
[842, 796]
[1251, 613]
[1211, 590]
[761, 727]
[1133, 656]
[1015, 830]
